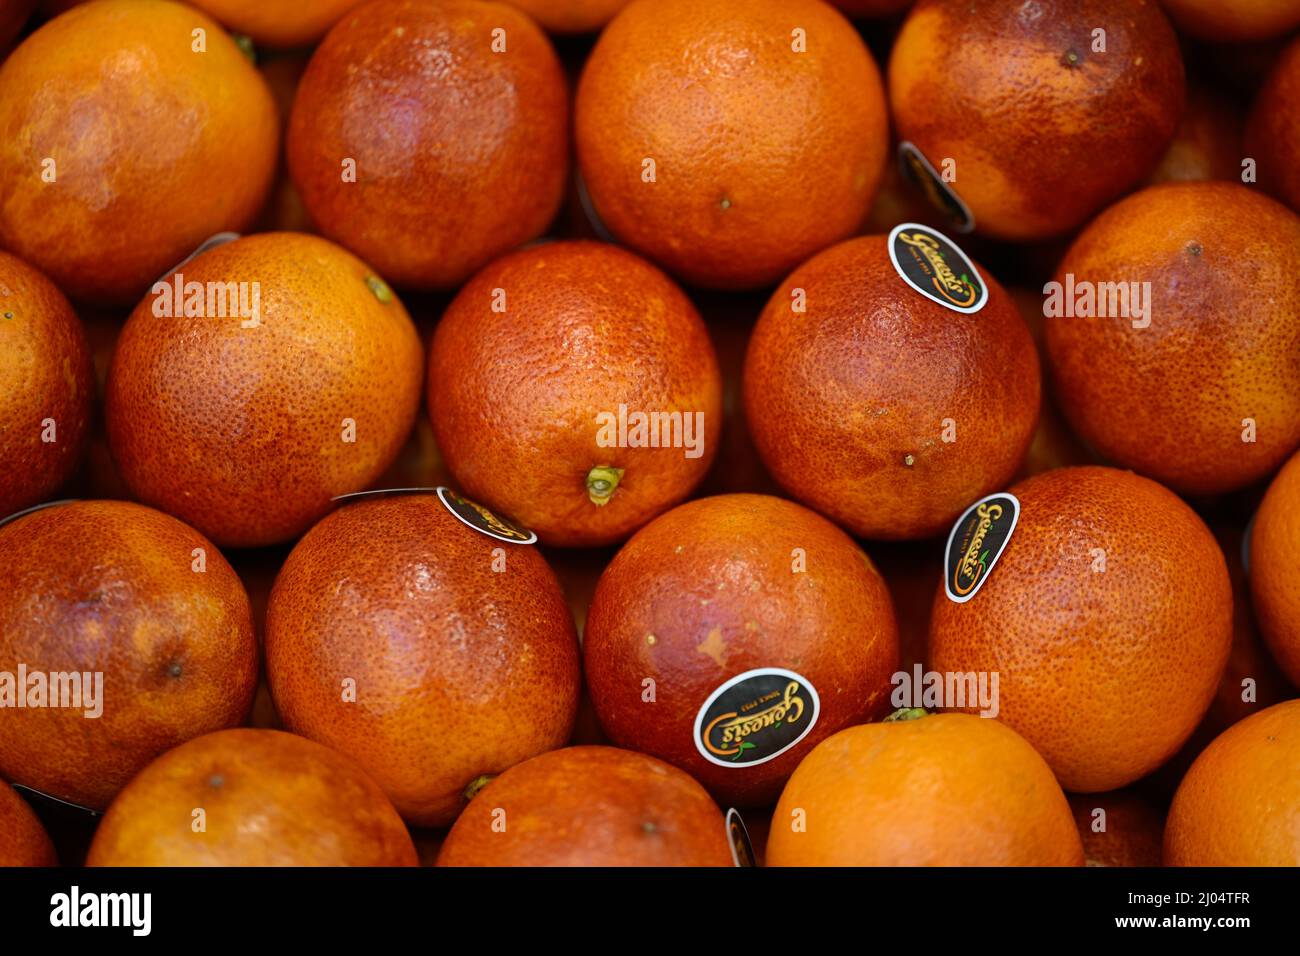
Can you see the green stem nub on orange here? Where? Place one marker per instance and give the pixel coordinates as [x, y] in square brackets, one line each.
[602, 482]
[246, 47]
[477, 784]
[907, 713]
[380, 289]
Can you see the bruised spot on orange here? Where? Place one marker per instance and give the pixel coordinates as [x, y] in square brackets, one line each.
[714, 646]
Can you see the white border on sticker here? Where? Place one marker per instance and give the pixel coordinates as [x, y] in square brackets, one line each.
[893, 258]
[382, 492]
[734, 815]
[947, 581]
[739, 678]
[442, 496]
[41, 507]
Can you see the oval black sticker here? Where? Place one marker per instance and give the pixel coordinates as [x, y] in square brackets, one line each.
[931, 263]
[976, 542]
[755, 716]
[484, 521]
[920, 172]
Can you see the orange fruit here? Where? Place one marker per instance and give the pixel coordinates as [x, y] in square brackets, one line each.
[1208, 141]
[473, 90]
[881, 408]
[1118, 829]
[935, 790]
[648, 814]
[1274, 559]
[732, 634]
[570, 16]
[696, 122]
[1029, 167]
[129, 594]
[1202, 392]
[1108, 619]
[267, 799]
[1236, 21]
[553, 379]
[114, 133]
[1239, 805]
[1272, 133]
[247, 427]
[278, 23]
[23, 840]
[391, 617]
[46, 387]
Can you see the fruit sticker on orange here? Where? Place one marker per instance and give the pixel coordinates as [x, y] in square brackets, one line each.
[976, 542]
[484, 521]
[755, 717]
[5, 519]
[932, 264]
[742, 848]
[920, 172]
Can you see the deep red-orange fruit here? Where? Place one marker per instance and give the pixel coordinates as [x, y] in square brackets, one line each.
[267, 799]
[46, 387]
[881, 408]
[428, 651]
[573, 387]
[589, 806]
[1208, 141]
[1174, 336]
[430, 137]
[732, 634]
[1033, 166]
[13, 17]
[1107, 620]
[23, 840]
[139, 628]
[122, 147]
[1118, 829]
[1273, 132]
[1235, 21]
[248, 427]
[730, 141]
[1239, 805]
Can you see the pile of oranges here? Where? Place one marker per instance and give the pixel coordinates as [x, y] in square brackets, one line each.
[518, 433]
